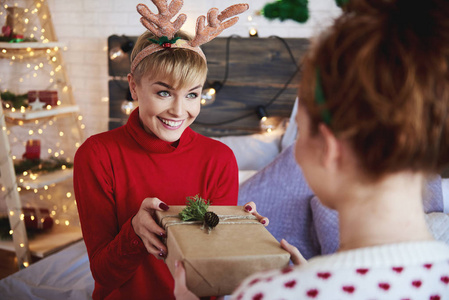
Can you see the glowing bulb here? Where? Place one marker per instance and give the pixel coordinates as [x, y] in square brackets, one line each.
[208, 96]
[253, 32]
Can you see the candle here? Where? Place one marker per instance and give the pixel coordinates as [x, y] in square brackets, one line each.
[33, 149]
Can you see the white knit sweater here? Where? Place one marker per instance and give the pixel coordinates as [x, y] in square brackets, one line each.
[412, 270]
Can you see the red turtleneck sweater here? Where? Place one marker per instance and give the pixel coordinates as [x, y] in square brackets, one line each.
[113, 172]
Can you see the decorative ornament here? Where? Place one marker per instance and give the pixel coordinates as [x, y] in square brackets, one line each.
[196, 210]
[161, 26]
[164, 41]
[6, 31]
[37, 105]
[32, 150]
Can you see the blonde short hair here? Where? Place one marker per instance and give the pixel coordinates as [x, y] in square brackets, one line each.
[179, 66]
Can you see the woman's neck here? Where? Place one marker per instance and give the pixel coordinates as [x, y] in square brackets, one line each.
[388, 211]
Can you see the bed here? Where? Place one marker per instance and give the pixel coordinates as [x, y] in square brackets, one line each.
[266, 167]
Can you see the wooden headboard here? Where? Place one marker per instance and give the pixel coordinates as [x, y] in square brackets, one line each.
[260, 72]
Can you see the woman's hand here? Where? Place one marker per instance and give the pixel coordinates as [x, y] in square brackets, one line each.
[181, 291]
[147, 229]
[296, 256]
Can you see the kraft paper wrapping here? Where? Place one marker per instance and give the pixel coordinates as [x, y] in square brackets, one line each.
[217, 263]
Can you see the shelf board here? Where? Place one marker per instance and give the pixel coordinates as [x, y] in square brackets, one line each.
[42, 113]
[32, 45]
[46, 243]
[46, 179]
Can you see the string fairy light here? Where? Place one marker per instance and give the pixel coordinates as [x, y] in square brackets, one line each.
[32, 65]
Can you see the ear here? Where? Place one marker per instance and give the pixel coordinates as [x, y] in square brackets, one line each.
[332, 151]
[132, 86]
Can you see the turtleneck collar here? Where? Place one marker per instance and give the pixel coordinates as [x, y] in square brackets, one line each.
[152, 143]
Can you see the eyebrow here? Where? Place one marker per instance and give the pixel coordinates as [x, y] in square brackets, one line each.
[171, 88]
[198, 86]
[163, 84]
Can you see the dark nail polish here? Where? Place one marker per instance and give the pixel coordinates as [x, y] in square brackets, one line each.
[161, 254]
[263, 222]
[248, 208]
[162, 234]
[163, 206]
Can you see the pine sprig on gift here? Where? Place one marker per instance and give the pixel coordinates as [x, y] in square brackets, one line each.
[196, 210]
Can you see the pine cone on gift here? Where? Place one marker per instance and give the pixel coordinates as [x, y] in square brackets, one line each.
[211, 219]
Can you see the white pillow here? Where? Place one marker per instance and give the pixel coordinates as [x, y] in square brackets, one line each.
[253, 152]
[292, 130]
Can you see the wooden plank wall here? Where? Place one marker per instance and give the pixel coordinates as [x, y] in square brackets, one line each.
[258, 72]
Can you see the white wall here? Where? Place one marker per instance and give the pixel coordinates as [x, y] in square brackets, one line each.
[84, 26]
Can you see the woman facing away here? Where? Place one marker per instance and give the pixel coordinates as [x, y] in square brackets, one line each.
[372, 121]
[122, 176]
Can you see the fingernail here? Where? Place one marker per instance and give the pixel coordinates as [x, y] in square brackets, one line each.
[248, 208]
[162, 234]
[263, 222]
[163, 206]
[161, 254]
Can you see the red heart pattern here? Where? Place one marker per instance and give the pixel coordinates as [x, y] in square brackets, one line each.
[385, 286]
[390, 288]
[290, 284]
[324, 275]
[312, 293]
[398, 269]
[416, 283]
[362, 271]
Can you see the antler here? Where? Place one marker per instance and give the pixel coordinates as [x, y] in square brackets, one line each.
[215, 23]
[160, 24]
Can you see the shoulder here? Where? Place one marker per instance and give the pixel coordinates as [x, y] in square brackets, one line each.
[101, 143]
[209, 144]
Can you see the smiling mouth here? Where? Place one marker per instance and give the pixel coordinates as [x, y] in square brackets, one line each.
[170, 123]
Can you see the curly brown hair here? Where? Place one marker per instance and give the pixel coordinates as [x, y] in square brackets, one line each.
[384, 72]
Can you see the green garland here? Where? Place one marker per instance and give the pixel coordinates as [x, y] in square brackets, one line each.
[5, 227]
[296, 10]
[16, 101]
[40, 166]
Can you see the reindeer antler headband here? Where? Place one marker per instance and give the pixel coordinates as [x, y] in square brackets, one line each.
[161, 26]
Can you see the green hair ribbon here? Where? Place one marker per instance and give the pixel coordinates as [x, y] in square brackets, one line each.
[320, 99]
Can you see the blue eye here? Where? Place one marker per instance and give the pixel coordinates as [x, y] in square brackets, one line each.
[163, 93]
[192, 95]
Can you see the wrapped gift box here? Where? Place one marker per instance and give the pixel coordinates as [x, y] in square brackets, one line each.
[216, 263]
[37, 219]
[49, 97]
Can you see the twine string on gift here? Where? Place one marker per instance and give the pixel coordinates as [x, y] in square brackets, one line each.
[222, 217]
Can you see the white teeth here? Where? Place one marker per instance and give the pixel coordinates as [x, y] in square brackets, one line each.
[171, 123]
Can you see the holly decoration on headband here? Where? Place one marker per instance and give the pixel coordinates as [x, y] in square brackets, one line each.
[196, 210]
[164, 41]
